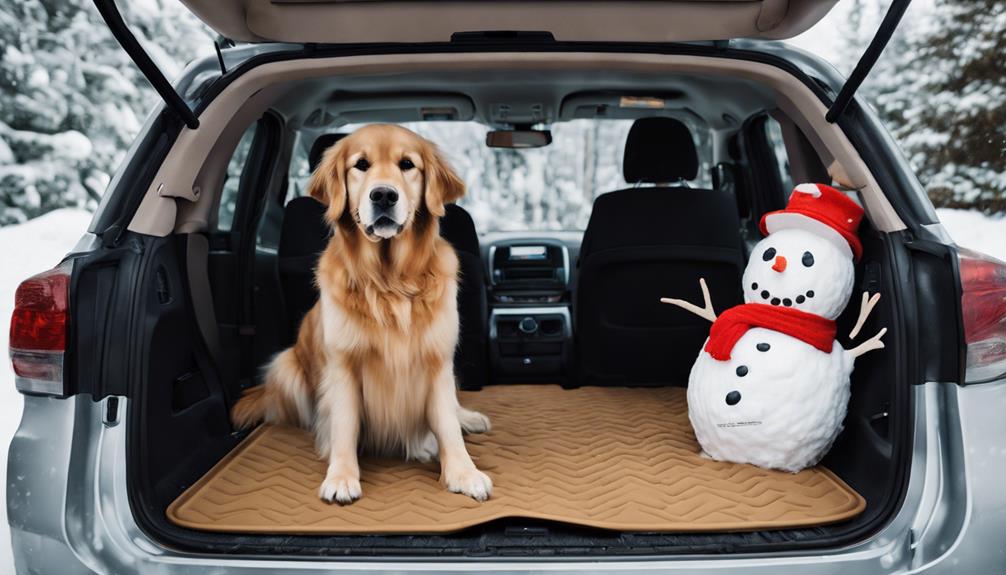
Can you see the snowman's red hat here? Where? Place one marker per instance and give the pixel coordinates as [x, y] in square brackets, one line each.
[821, 210]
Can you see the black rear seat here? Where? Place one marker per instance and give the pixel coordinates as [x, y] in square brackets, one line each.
[642, 244]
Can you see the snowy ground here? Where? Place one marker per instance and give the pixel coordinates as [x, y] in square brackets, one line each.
[40, 243]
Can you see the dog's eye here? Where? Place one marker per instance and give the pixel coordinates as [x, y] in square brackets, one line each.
[362, 164]
[406, 164]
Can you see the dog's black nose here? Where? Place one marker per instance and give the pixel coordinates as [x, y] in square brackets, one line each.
[384, 196]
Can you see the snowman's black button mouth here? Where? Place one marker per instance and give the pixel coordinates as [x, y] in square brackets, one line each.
[733, 398]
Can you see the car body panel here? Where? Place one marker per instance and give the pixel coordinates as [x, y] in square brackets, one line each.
[965, 534]
[87, 513]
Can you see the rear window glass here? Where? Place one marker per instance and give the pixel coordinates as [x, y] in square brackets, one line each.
[546, 189]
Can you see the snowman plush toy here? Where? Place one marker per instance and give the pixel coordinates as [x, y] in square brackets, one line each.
[771, 385]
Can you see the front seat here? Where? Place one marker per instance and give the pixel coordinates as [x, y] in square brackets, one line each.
[471, 357]
[305, 234]
[645, 243]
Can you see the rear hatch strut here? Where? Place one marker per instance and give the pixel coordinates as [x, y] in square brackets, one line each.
[868, 60]
[110, 13]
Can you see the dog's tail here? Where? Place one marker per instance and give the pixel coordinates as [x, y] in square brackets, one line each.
[286, 397]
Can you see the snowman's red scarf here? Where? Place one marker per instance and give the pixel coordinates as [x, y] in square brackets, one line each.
[736, 321]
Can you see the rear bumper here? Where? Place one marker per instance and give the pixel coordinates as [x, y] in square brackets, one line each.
[952, 516]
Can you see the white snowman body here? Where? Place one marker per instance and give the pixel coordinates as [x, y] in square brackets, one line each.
[779, 402]
[783, 413]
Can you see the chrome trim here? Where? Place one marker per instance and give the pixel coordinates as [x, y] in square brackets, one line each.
[565, 265]
[492, 258]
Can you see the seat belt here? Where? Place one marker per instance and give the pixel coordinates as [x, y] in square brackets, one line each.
[197, 252]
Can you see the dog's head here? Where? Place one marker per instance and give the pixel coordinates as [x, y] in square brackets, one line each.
[384, 176]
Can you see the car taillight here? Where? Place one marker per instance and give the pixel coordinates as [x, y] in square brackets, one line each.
[983, 301]
[38, 330]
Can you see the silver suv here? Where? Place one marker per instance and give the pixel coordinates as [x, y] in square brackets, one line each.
[197, 267]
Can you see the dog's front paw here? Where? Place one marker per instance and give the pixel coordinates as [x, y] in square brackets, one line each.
[473, 421]
[340, 487]
[469, 481]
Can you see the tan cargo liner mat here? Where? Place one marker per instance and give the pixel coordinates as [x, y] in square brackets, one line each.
[614, 458]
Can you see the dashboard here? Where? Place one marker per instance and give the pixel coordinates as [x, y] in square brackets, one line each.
[531, 280]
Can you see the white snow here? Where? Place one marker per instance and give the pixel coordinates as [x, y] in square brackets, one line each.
[28, 249]
[975, 230]
[71, 146]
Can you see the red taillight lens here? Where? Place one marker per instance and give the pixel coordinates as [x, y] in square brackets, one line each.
[983, 301]
[38, 331]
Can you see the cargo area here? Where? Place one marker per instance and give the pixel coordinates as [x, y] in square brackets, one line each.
[564, 342]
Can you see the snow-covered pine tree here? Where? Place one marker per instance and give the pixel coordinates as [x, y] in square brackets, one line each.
[941, 88]
[71, 100]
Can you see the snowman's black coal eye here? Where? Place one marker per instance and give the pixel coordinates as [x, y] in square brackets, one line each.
[769, 254]
[362, 164]
[808, 259]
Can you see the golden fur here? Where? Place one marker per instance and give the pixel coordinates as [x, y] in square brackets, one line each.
[373, 363]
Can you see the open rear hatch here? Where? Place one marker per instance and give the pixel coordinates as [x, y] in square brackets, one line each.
[366, 21]
[431, 21]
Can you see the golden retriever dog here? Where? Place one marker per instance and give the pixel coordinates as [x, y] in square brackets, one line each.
[372, 367]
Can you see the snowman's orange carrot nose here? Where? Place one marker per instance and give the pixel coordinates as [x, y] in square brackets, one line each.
[780, 264]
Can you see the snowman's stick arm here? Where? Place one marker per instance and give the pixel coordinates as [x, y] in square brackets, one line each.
[706, 312]
[869, 345]
[865, 307]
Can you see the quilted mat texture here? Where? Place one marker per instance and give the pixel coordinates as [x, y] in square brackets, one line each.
[614, 458]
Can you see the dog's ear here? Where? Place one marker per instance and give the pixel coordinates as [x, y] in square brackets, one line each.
[328, 183]
[443, 186]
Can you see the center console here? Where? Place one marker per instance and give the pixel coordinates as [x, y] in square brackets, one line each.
[530, 327]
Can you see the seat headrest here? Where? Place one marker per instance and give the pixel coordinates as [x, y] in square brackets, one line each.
[305, 231]
[659, 150]
[700, 219]
[458, 228]
[322, 143]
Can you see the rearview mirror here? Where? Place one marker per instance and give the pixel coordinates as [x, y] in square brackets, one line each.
[518, 138]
